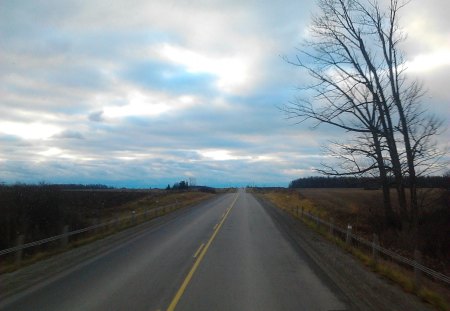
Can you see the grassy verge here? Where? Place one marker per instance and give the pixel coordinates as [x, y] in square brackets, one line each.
[431, 293]
[146, 208]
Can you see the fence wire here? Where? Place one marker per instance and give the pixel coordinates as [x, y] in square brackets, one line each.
[71, 233]
[396, 257]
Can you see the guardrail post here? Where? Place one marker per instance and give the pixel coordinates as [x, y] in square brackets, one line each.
[375, 244]
[317, 221]
[19, 253]
[297, 211]
[417, 271]
[65, 237]
[348, 237]
[303, 211]
[331, 226]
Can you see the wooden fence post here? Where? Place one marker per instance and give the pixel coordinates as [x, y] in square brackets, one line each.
[331, 226]
[303, 211]
[417, 271]
[348, 237]
[65, 237]
[375, 244]
[96, 223]
[19, 253]
[133, 218]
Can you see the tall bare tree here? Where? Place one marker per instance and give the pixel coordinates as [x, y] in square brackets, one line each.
[360, 85]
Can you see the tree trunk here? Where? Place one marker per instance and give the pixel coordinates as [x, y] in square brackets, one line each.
[389, 215]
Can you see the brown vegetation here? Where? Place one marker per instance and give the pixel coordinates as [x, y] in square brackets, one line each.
[360, 208]
[363, 210]
[39, 212]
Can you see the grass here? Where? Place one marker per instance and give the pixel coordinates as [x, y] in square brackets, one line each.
[172, 201]
[434, 299]
[292, 201]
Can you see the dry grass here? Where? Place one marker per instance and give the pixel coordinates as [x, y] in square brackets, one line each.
[172, 200]
[354, 206]
[363, 209]
[153, 201]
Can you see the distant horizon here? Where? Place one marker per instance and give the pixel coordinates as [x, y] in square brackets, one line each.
[139, 185]
[128, 185]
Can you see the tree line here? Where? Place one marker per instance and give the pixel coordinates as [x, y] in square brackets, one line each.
[364, 182]
[184, 185]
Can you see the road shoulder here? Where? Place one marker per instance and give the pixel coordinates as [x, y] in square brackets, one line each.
[364, 289]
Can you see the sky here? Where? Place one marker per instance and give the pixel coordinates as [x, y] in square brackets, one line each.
[134, 93]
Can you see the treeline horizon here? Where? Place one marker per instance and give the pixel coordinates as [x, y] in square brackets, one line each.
[364, 182]
[74, 186]
[71, 186]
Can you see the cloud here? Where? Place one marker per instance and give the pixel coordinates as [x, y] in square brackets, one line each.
[33, 131]
[143, 93]
[68, 134]
[168, 77]
[96, 116]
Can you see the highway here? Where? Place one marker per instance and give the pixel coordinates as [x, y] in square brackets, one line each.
[225, 254]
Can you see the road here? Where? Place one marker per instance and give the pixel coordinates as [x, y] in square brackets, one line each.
[226, 254]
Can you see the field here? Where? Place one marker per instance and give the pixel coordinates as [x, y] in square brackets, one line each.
[39, 212]
[362, 209]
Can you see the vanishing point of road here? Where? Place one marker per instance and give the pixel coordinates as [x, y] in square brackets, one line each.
[224, 254]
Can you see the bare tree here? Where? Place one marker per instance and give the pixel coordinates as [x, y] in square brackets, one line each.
[360, 85]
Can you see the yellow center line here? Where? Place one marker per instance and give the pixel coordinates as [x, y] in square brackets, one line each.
[188, 278]
[199, 250]
[215, 227]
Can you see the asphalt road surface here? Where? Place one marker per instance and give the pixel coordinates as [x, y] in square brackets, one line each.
[227, 254]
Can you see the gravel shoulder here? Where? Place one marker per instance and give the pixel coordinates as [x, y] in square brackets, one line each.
[364, 289]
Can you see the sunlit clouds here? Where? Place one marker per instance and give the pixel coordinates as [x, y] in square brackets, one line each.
[145, 93]
[231, 72]
[137, 105]
[429, 62]
[29, 131]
